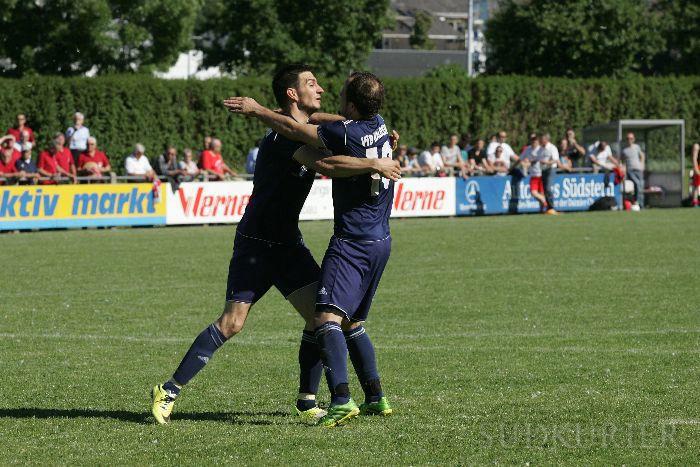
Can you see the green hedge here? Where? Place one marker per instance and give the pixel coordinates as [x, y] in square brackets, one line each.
[123, 110]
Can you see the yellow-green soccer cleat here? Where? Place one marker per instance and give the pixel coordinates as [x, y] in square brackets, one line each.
[381, 407]
[163, 403]
[340, 414]
[311, 416]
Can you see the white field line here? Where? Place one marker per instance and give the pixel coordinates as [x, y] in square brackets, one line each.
[682, 421]
[253, 341]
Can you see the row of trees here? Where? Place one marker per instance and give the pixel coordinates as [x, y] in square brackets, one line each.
[72, 37]
[571, 38]
[594, 38]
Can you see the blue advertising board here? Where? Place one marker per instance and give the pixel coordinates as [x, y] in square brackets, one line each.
[502, 195]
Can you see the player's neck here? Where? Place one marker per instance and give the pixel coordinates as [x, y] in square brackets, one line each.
[297, 114]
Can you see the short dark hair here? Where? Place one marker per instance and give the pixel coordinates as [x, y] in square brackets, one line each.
[285, 78]
[366, 92]
[435, 143]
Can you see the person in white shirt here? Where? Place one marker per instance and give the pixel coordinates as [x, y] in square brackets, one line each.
[603, 158]
[189, 166]
[549, 159]
[431, 161]
[137, 164]
[77, 136]
[24, 138]
[501, 138]
[452, 156]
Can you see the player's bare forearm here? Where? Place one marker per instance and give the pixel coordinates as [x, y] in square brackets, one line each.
[319, 118]
[286, 126]
[340, 166]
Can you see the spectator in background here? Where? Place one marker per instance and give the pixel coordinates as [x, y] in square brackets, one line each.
[602, 158]
[452, 156]
[212, 163]
[499, 161]
[23, 141]
[414, 168]
[8, 142]
[8, 160]
[465, 144]
[565, 163]
[19, 127]
[252, 158]
[77, 137]
[402, 158]
[477, 161]
[168, 166]
[93, 163]
[27, 171]
[501, 138]
[431, 161]
[549, 160]
[530, 162]
[188, 166]
[634, 157]
[57, 162]
[574, 151]
[695, 156]
[138, 165]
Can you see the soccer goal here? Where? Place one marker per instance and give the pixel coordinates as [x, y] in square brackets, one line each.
[663, 142]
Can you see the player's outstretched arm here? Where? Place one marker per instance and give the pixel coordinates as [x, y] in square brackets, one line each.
[319, 118]
[282, 124]
[339, 166]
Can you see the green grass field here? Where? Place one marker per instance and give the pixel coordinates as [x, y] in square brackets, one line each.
[570, 339]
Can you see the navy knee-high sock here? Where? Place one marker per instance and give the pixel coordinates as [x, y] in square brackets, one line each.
[199, 354]
[334, 354]
[365, 362]
[310, 369]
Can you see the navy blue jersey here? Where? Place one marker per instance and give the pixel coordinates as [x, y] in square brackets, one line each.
[280, 188]
[362, 204]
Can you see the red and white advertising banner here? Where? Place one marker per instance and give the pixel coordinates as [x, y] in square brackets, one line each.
[225, 202]
[207, 203]
[422, 197]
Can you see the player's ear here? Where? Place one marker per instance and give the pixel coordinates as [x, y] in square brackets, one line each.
[292, 94]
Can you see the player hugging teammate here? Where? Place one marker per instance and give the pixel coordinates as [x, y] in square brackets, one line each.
[356, 151]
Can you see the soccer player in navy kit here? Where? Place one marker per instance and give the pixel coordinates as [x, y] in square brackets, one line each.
[360, 246]
[269, 249]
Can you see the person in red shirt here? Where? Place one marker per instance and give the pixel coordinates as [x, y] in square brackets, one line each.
[57, 162]
[92, 162]
[213, 164]
[8, 160]
[19, 127]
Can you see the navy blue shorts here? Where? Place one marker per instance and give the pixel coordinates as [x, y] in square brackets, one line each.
[350, 274]
[257, 265]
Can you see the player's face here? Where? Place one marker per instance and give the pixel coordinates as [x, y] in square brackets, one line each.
[309, 92]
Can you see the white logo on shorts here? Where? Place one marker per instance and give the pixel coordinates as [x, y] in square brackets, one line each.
[203, 358]
[323, 291]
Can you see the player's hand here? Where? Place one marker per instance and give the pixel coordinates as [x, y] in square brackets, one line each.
[388, 168]
[242, 105]
[394, 140]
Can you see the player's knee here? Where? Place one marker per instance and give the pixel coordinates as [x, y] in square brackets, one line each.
[233, 319]
[350, 325]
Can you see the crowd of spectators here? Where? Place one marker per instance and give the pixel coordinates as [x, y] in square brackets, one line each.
[74, 156]
[539, 158]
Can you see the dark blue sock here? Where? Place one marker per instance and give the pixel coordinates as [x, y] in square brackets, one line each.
[310, 369]
[199, 354]
[334, 354]
[365, 362]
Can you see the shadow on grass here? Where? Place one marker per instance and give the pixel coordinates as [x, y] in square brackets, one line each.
[236, 418]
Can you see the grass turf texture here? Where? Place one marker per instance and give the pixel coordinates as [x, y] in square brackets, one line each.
[517, 339]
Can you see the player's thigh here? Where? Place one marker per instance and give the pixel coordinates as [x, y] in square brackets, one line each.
[380, 257]
[233, 318]
[249, 276]
[342, 281]
[293, 268]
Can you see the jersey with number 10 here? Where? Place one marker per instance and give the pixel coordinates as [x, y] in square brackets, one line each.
[361, 204]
